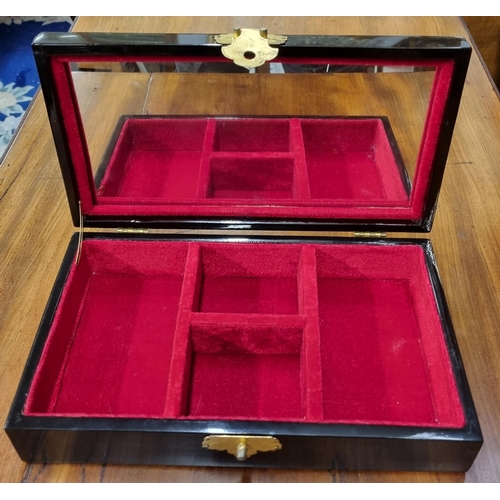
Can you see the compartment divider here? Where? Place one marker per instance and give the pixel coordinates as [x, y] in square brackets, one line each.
[180, 365]
[252, 154]
[281, 332]
[255, 320]
[206, 157]
[301, 180]
[312, 385]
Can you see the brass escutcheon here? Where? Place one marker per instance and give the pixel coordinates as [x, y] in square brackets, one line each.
[241, 447]
[250, 48]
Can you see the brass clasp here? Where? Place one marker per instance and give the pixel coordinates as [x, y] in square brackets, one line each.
[241, 447]
[250, 48]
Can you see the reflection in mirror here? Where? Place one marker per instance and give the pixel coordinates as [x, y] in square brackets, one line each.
[294, 133]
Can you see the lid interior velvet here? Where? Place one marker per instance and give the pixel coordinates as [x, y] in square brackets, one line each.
[167, 142]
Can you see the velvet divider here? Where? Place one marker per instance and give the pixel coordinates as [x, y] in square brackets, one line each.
[244, 331]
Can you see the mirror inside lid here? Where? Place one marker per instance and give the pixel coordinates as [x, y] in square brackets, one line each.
[250, 127]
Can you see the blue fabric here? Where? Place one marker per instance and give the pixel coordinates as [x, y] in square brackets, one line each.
[18, 75]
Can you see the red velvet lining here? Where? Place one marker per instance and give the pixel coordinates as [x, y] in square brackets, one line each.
[321, 333]
[160, 181]
[254, 369]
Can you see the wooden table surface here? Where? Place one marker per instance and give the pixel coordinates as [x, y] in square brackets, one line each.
[35, 228]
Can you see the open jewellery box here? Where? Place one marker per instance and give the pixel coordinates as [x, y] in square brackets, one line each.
[268, 351]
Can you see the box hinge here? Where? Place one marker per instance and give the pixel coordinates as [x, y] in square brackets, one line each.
[369, 235]
[132, 230]
[126, 230]
[80, 233]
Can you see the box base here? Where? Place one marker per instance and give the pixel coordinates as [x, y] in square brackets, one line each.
[342, 350]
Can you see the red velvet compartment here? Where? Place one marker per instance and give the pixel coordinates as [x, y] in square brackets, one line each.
[351, 160]
[253, 159]
[338, 333]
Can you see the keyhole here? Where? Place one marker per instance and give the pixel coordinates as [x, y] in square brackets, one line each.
[249, 54]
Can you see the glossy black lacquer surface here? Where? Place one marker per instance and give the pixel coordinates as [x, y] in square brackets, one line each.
[112, 46]
[178, 442]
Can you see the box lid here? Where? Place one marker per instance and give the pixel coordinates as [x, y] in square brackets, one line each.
[250, 130]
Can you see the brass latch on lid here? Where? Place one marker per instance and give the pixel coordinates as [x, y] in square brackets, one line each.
[250, 48]
[241, 447]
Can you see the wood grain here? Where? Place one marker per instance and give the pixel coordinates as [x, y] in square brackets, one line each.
[401, 97]
[126, 91]
[35, 228]
[486, 33]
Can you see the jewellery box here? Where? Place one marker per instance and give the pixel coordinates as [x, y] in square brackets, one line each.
[258, 351]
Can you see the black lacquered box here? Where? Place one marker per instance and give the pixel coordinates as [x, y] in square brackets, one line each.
[261, 351]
